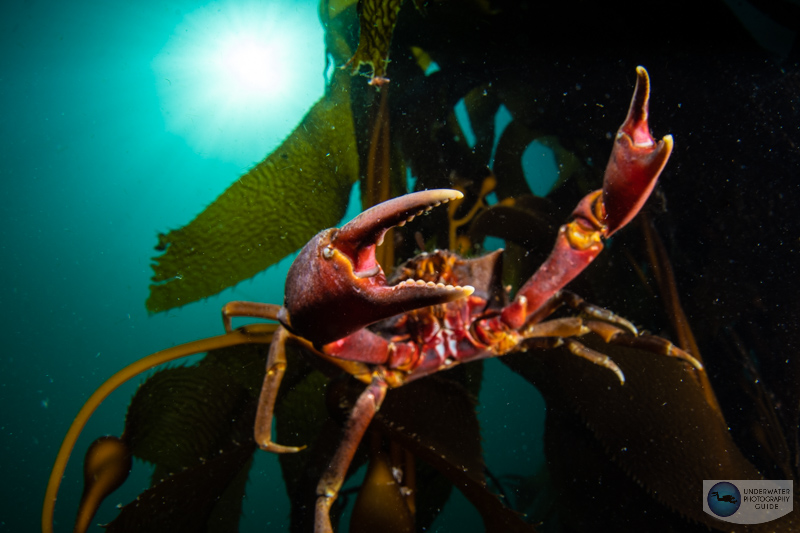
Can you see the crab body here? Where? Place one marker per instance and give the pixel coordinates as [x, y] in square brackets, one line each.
[441, 310]
[433, 338]
[438, 310]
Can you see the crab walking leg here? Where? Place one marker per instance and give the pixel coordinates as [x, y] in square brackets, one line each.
[560, 332]
[248, 309]
[331, 482]
[593, 356]
[608, 325]
[276, 366]
[573, 301]
[650, 343]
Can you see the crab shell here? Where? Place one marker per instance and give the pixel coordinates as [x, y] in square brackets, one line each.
[336, 286]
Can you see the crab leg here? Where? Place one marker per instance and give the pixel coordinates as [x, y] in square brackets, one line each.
[276, 366]
[575, 302]
[634, 166]
[561, 332]
[248, 309]
[331, 482]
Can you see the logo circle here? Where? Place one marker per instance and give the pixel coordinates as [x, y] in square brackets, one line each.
[724, 499]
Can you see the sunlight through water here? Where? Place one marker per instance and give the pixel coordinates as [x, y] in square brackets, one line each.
[234, 78]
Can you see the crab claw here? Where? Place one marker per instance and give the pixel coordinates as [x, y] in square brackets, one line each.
[336, 286]
[636, 161]
[634, 167]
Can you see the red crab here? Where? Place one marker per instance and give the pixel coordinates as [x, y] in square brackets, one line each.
[422, 326]
[340, 306]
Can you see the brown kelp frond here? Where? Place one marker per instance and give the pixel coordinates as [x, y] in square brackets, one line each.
[205, 497]
[655, 429]
[259, 334]
[268, 213]
[447, 438]
[182, 416]
[195, 425]
[377, 19]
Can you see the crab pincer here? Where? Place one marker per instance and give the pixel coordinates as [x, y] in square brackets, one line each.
[336, 286]
[636, 161]
[633, 169]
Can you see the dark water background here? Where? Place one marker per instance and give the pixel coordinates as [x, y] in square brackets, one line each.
[110, 134]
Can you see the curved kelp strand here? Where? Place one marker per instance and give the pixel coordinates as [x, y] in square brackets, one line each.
[255, 333]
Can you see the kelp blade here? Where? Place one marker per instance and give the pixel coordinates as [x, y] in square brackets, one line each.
[268, 213]
[376, 20]
[195, 425]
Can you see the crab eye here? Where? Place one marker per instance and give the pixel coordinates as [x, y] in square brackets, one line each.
[327, 252]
